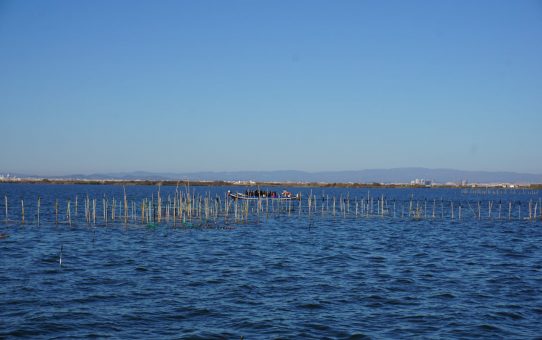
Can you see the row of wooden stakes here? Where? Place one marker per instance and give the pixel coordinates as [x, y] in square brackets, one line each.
[185, 207]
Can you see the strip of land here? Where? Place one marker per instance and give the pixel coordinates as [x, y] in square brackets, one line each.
[185, 182]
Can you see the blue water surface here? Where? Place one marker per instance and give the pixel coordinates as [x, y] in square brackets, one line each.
[288, 275]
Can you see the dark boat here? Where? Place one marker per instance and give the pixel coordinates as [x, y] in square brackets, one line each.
[284, 196]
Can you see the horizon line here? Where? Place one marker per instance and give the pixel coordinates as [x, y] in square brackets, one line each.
[183, 172]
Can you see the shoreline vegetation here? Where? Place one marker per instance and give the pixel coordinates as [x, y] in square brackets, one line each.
[262, 184]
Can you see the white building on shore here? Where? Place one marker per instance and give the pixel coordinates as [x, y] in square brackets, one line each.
[418, 181]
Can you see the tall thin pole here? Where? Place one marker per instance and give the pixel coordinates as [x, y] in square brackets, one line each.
[68, 213]
[39, 204]
[125, 206]
[56, 211]
[509, 210]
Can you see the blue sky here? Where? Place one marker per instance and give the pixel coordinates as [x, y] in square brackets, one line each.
[92, 86]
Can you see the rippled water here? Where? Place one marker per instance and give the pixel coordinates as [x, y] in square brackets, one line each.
[284, 277]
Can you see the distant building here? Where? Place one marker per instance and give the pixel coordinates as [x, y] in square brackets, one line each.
[424, 182]
[243, 182]
[8, 177]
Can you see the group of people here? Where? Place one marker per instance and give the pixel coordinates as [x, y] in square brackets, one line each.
[261, 193]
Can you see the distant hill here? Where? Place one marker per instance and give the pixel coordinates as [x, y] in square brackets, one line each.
[396, 175]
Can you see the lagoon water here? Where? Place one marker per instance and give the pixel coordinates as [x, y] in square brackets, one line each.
[285, 276]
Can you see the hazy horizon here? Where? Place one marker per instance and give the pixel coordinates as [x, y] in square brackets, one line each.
[396, 175]
[87, 173]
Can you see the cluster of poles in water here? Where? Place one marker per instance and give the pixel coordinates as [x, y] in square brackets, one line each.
[188, 209]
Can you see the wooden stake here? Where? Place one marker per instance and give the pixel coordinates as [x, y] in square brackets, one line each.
[39, 204]
[56, 211]
[509, 210]
[125, 206]
[425, 209]
[68, 213]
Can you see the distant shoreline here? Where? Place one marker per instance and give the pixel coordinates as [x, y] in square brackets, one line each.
[261, 184]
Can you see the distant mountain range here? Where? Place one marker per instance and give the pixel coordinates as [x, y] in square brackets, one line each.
[396, 175]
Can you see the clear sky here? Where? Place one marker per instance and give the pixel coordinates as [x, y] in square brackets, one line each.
[95, 86]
